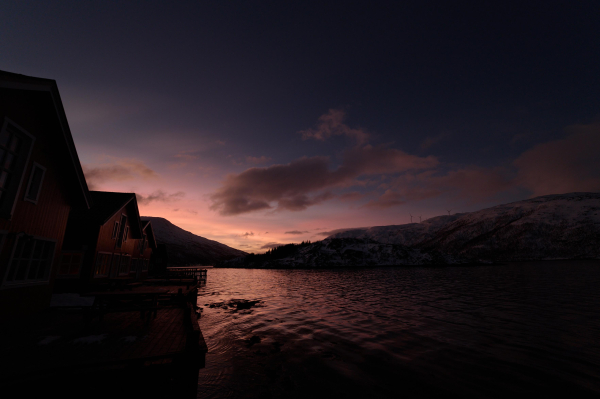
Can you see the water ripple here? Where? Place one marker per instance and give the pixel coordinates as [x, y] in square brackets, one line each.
[527, 329]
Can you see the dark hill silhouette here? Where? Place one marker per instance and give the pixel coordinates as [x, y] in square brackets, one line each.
[185, 248]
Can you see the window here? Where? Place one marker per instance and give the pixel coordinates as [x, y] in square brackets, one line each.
[125, 233]
[31, 260]
[35, 183]
[115, 264]
[102, 264]
[115, 233]
[121, 230]
[134, 266]
[143, 243]
[70, 262]
[124, 266]
[145, 265]
[15, 148]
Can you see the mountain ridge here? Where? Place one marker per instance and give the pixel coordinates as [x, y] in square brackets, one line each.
[559, 226]
[187, 248]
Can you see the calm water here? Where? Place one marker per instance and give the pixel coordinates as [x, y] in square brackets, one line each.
[522, 329]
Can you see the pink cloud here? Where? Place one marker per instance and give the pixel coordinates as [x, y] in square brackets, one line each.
[117, 170]
[307, 181]
[160, 196]
[566, 165]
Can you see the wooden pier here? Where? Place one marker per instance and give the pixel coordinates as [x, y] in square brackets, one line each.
[108, 349]
[198, 272]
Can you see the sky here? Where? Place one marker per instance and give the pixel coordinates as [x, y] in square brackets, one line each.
[259, 123]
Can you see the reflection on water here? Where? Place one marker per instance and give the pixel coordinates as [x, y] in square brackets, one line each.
[522, 329]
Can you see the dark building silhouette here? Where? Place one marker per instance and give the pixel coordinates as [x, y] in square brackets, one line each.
[106, 241]
[41, 182]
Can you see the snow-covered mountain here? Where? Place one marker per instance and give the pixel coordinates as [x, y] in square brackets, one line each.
[564, 226]
[185, 248]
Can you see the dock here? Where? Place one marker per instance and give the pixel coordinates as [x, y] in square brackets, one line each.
[198, 272]
[145, 341]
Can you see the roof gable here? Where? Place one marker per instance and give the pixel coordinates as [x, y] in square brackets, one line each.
[147, 228]
[15, 81]
[108, 204]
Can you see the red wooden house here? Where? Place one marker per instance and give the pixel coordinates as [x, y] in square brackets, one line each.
[105, 242]
[146, 246]
[41, 182]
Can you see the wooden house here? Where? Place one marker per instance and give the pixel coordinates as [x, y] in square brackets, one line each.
[107, 241]
[41, 182]
[141, 260]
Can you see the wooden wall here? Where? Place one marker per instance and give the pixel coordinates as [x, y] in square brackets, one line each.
[48, 217]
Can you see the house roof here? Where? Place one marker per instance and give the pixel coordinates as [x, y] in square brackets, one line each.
[9, 80]
[147, 228]
[106, 205]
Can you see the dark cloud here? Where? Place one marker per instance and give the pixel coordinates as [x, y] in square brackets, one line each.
[271, 245]
[257, 160]
[430, 141]
[332, 124]
[328, 233]
[351, 196]
[561, 166]
[569, 164]
[119, 170]
[246, 234]
[301, 183]
[160, 196]
[469, 183]
[296, 232]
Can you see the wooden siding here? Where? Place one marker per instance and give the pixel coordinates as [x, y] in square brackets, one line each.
[99, 239]
[48, 217]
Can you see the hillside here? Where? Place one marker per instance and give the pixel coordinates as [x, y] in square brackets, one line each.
[346, 252]
[185, 248]
[564, 226]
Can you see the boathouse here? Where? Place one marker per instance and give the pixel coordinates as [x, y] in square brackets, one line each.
[107, 242]
[41, 182]
[141, 267]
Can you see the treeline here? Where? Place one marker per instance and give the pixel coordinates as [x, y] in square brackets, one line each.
[280, 252]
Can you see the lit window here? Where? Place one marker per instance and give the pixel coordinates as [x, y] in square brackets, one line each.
[102, 264]
[35, 183]
[15, 147]
[31, 260]
[70, 264]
